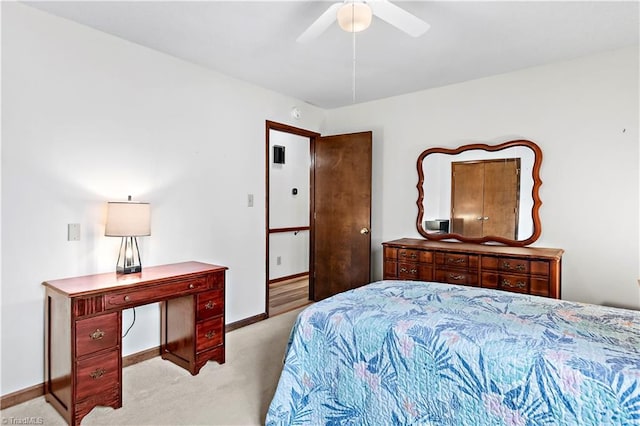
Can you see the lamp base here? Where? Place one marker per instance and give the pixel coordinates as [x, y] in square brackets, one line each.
[129, 257]
[128, 269]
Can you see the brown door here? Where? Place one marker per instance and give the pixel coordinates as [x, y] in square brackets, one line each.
[466, 198]
[341, 242]
[485, 198]
[501, 198]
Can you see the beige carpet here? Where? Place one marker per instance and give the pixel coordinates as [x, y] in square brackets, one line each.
[157, 392]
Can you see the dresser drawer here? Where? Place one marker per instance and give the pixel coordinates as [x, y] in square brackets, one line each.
[520, 266]
[509, 282]
[209, 333]
[390, 270]
[390, 253]
[515, 283]
[540, 286]
[408, 271]
[455, 260]
[97, 333]
[210, 304]
[97, 374]
[509, 264]
[408, 255]
[540, 267]
[160, 292]
[453, 276]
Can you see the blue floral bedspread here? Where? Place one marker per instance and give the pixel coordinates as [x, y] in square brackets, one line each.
[403, 352]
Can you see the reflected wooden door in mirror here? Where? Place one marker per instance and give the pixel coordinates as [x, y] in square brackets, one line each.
[480, 193]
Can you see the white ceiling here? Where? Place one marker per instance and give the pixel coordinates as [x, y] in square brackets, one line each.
[256, 41]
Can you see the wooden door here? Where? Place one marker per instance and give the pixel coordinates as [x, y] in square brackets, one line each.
[501, 198]
[485, 198]
[341, 241]
[466, 199]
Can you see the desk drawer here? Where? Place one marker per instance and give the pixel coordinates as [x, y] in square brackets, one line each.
[216, 281]
[97, 333]
[209, 333]
[210, 304]
[97, 374]
[156, 293]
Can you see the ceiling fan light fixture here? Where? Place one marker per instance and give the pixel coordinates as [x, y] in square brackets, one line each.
[354, 16]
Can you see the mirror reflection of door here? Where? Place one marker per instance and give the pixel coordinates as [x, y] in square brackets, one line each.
[485, 197]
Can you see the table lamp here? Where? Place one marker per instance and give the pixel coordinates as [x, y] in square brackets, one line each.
[129, 220]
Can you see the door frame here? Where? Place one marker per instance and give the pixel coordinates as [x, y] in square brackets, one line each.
[272, 125]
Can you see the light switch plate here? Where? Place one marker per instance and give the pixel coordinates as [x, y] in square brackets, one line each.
[73, 232]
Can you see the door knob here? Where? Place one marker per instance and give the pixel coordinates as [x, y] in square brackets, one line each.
[364, 231]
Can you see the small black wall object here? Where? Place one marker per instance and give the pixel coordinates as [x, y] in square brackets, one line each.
[294, 191]
[278, 154]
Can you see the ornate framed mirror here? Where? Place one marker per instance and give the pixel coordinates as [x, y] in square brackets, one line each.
[480, 193]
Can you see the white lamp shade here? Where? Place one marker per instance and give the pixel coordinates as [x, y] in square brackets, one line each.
[354, 16]
[128, 219]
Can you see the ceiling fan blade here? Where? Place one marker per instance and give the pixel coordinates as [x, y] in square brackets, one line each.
[321, 24]
[399, 18]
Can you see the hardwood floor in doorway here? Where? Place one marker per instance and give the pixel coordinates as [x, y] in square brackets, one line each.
[287, 295]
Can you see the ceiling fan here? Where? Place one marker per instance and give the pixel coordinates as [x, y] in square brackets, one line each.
[355, 16]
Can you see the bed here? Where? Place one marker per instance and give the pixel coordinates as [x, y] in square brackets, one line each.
[407, 352]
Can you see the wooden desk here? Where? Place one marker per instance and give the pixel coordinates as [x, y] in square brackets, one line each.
[83, 329]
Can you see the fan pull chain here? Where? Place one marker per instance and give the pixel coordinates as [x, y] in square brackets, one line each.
[353, 82]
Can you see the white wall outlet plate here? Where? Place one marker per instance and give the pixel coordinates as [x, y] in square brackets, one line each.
[73, 232]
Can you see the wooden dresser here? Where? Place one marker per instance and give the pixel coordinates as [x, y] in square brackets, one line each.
[83, 329]
[527, 270]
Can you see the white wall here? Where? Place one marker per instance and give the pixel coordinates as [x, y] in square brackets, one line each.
[287, 210]
[88, 118]
[582, 113]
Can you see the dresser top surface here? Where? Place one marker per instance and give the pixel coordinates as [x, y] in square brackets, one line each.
[97, 283]
[415, 243]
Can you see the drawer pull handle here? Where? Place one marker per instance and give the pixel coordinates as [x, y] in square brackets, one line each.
[456, 277]
[518, 267]
[191, 285]
[518, 284]
[97, 335]
[412, 255]
[210, 334]
[98, 373]
[414, 271]
[404, 270]
[455, 260]
[127, 298]
[210, 304]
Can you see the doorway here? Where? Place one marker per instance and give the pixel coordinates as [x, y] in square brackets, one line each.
[288, 176]
[330, 227]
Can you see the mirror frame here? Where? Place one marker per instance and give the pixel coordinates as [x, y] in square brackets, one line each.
[535, 211]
